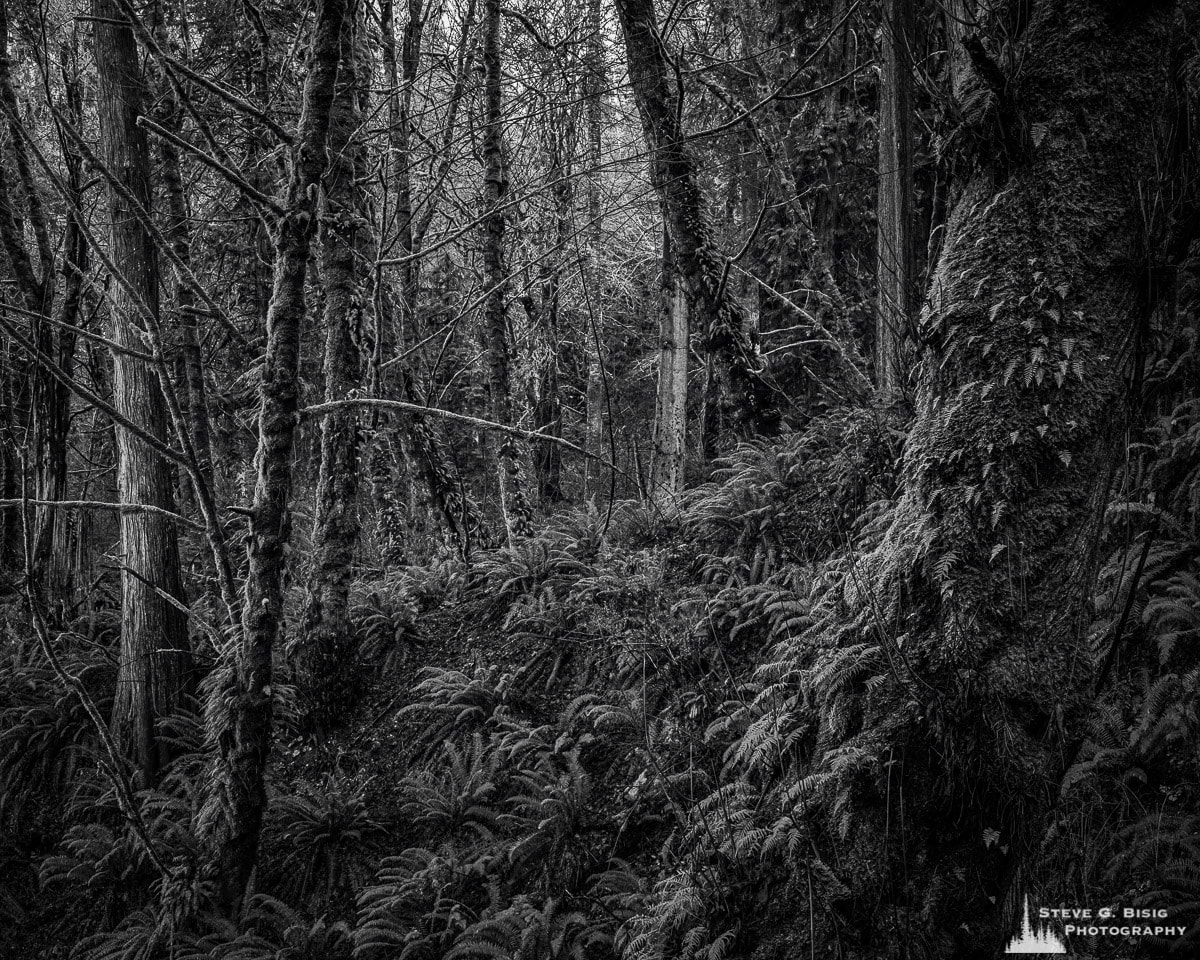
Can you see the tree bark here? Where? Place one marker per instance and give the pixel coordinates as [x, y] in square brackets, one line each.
[178, 233]
[392, 459]
[595, 396]
[827, 206]
[233, 817]
[51, 400]
[546, 320]
[11, 546]
[513, 502]
[547, 404]
[959, 20]
[155, 669]
[979, 590]
[894, 235]
[417, 452]
[327, 653]
[670, 413]
[749, 392]
[57, 533]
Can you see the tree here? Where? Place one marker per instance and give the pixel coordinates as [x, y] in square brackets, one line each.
[751, 395]
[155, 667]
[560, 135]
[513, 503]
[53, 309]
[595, 396]
[990, 555]
[237, 799]
[670, 413]
[178, 233]
[418, 450]
[894, 238]
[328, 658]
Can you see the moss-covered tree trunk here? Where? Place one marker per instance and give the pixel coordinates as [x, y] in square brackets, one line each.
[977, 595]
[513, 501]
[231, 822]
[328, 658]
[748, 390]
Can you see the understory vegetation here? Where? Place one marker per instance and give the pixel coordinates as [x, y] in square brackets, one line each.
[624, 736]
[598, 479]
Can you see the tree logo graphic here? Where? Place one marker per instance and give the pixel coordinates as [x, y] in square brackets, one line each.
[1040, 939]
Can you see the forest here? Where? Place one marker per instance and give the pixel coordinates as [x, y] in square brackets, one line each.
[599, 479]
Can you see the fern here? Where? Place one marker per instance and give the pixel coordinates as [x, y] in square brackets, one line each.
[459, 702]
[45, 734]
[326, 837]
[1174, 615]
[387, 629]
[413, 911]
[459, 795]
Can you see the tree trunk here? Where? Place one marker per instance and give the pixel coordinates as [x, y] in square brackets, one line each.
[670, 413]
[561, 137]
[51, 400]
[959, 21]
[11, 547]
[418, 452]
[391, 461]
[56, 537]
[234, 812]
[894, 236]
[178, 233]
[827, 205]
[753, 399]
[513, 503]
[989, 559]
[595, 396]
[547, 405]
[64, 549]
[328, 657]
[155, 668]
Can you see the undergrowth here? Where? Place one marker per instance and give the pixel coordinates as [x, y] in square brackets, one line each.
[659, 752]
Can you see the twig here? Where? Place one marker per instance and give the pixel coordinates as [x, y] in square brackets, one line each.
[85, 394]
[213, 164]
[171, 63]
[147, 221]
[79, 331]
[405, 407]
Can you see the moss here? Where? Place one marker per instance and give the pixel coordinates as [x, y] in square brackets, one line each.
[977, 588]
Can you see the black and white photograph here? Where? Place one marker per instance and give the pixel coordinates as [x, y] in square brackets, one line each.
[599, 479]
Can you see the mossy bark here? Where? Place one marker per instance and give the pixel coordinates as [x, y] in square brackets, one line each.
[750, 394]
[327, 652]
[241, 712]
[513, 502]
[977, 595]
